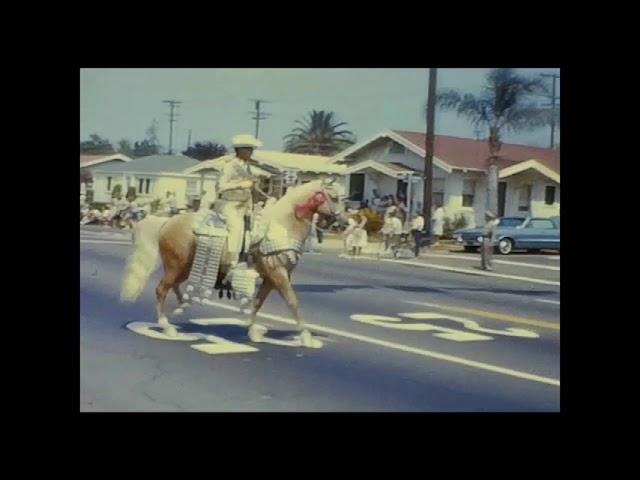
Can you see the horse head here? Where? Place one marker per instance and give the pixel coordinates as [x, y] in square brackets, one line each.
[321, 196]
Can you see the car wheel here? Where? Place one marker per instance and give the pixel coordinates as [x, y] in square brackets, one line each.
[470, 249]
[505, 246]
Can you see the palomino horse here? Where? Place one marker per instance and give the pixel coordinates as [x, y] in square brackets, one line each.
[174, 240]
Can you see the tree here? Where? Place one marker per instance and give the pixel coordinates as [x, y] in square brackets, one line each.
[149, 146]
[125, 148]
[205, 150]
[503, 106]
[96, 145]
[319, 134]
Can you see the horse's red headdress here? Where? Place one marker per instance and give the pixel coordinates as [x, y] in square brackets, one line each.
[310, 206]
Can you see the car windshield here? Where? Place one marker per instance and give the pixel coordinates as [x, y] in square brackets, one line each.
[510, 222]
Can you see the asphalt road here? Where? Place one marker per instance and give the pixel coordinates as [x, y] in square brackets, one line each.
[464, 342]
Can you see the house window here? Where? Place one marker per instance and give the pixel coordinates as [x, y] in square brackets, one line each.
[549, 195]
[144, 185]
[524, 198]
[192, 187]
[468, 192]
[109, 183]
[437, 193]
[396, 148]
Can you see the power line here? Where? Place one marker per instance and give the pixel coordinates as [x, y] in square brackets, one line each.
[553, 98]
[172, 116]
[257, 114]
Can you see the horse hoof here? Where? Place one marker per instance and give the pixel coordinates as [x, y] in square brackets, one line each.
[308, 341]
[190, 288]
[186, 296]
[220, 293]
[256, 333]
[170, 331]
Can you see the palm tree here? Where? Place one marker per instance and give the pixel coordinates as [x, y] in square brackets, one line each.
[503, 105]
[318, 134]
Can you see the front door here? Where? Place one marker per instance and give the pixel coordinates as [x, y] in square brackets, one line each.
[401, 189]
[356, 187]
[502, 196]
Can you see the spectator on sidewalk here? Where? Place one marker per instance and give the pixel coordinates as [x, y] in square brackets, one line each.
[437, 224]
[349, 236]
[360, 235]
[387, 227]
[417, 225]
[488, 241]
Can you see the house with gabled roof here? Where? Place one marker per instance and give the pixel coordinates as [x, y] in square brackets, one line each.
[152, 176]
[272, 165]
[392, 162]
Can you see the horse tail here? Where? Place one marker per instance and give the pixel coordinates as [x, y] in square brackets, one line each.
[142, 261]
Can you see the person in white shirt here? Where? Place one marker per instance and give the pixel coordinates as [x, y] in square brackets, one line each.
[437, 224]
[417, 225]
[360, 235]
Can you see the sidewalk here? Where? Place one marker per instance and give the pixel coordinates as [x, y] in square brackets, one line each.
[334, 244]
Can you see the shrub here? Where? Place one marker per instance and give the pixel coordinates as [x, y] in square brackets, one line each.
[154, 205]
[374, 220]
[449, 226]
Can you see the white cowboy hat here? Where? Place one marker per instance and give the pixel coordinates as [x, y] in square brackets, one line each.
[245, 141]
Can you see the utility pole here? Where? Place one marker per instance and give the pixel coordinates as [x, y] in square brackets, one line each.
[257, 114]
[428, 160]
[189, 140]
[172, 116]
[553, 98]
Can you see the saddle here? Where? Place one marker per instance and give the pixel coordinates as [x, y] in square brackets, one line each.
[210, 229]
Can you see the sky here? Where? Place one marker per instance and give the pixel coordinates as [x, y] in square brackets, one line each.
[122, 103]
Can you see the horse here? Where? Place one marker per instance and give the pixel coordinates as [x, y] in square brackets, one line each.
[174, 241]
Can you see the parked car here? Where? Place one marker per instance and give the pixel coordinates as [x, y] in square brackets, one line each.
[513, 233]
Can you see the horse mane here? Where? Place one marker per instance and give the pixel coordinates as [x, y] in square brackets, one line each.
[295, 196]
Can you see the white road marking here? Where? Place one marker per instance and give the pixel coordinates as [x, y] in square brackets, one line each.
[471, 324]
[149, 329]
[404, 348]
[472, 271]
[396, 324]
[477, 258]
[555, 302]
[112, 242]
[219, 345]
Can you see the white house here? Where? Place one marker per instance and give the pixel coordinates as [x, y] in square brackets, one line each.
[88, 163]
[272, 165]
[393, 161]
[152, 176]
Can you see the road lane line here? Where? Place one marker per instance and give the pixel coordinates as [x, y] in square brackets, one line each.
[113, 242]
[477, 258]
[474, 272]
[403, 348]
[491, 315]
[555, 302]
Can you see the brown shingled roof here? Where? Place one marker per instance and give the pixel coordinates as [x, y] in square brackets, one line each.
[468, 153]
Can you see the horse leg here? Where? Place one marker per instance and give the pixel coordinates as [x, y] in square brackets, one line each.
[176, 290]
[182, 304]
[261, 296]
[280, 278]
[162, 289]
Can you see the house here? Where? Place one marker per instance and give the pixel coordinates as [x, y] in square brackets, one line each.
[392, 162]
[88, 163]
[272, 166]
[152, 176]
